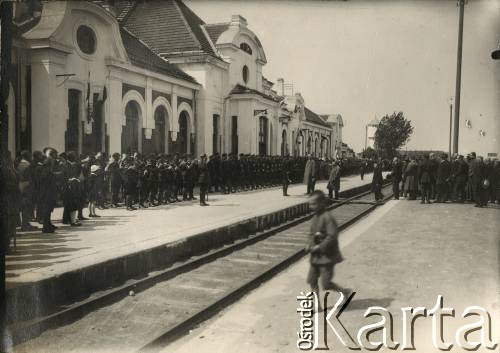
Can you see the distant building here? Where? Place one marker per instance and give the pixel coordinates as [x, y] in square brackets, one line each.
[337, 124]
[346, 151]
[371, 129]
[303, 131]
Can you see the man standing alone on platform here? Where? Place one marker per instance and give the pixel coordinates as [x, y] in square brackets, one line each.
[396, 174]
[286, 177]
[334, 181]
[377, 181]
[323, 246]
[203, 179]
[310, 173]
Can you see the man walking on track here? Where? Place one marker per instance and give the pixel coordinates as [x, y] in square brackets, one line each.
[323, 246]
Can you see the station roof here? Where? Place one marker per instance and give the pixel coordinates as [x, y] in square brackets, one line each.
[314, 118]
[142, 56]
[240, 89]
[168, 27]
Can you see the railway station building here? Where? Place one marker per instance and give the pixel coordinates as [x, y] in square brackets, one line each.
[153, 77]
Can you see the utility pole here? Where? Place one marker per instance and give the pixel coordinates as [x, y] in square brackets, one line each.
[461, 4]
[5, 64]
[450, 101]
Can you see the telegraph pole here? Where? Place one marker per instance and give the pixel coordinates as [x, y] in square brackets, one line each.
[461, 4]
[450, 101]
[5, 64]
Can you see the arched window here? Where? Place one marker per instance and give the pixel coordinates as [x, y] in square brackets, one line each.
[159, 135]
[245, 74]
[284, 145]
[263, 131]
[246, 48]
[130, 132]
[183, 135]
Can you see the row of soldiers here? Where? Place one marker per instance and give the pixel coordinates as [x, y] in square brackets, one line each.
[47, 177]
[440, 178]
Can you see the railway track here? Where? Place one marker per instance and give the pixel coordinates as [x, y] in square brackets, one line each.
[149, 313]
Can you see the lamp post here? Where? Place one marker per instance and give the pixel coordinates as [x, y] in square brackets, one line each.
[450, 102]
[461, 4]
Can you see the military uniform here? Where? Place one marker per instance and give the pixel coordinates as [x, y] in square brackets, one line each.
[443, 180]
[203, 180]
[325, 252]
[131, 178]
[286, 176]
[115, 179]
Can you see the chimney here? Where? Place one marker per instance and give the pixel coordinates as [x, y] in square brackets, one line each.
[280, 86]
[238, 21]
[109, 5]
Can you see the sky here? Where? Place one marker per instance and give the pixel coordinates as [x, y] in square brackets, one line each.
[368, 58]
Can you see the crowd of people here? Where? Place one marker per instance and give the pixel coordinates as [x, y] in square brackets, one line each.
[438, 178]
[38, 182]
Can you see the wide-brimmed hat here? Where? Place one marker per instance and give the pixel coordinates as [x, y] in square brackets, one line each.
[94, 168]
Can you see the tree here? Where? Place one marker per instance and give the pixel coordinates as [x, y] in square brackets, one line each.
[392, 133]
[369, 153]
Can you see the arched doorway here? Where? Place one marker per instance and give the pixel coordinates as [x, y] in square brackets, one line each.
[183, 136]
[271, 140]
[130, 131]
[300, 144]
[284, 144]
[309, 144]
[324, 147]
[158, 136]
[215, 133]
[263, 134]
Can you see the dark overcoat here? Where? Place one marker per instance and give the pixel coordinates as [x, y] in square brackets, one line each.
[324, 232]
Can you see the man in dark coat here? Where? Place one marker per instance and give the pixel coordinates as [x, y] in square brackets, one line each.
[203, 179]
[397, 175]
[225, 180]
[475, 178]
[443, 177]
[459, 172]
[25, 168]
[377, 181]
[323, 245]
[310, 174]
[115, 178]
[286, 174]
[434, 166]
[10, 200]
[334, 181]
[424, 178]
[362, 169]
[131, 178]
[48, 188]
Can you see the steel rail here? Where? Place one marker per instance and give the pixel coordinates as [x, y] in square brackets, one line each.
[24, 331]
[208, 311]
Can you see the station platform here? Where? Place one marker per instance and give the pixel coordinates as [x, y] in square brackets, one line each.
[404, 254]
[122, 243]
